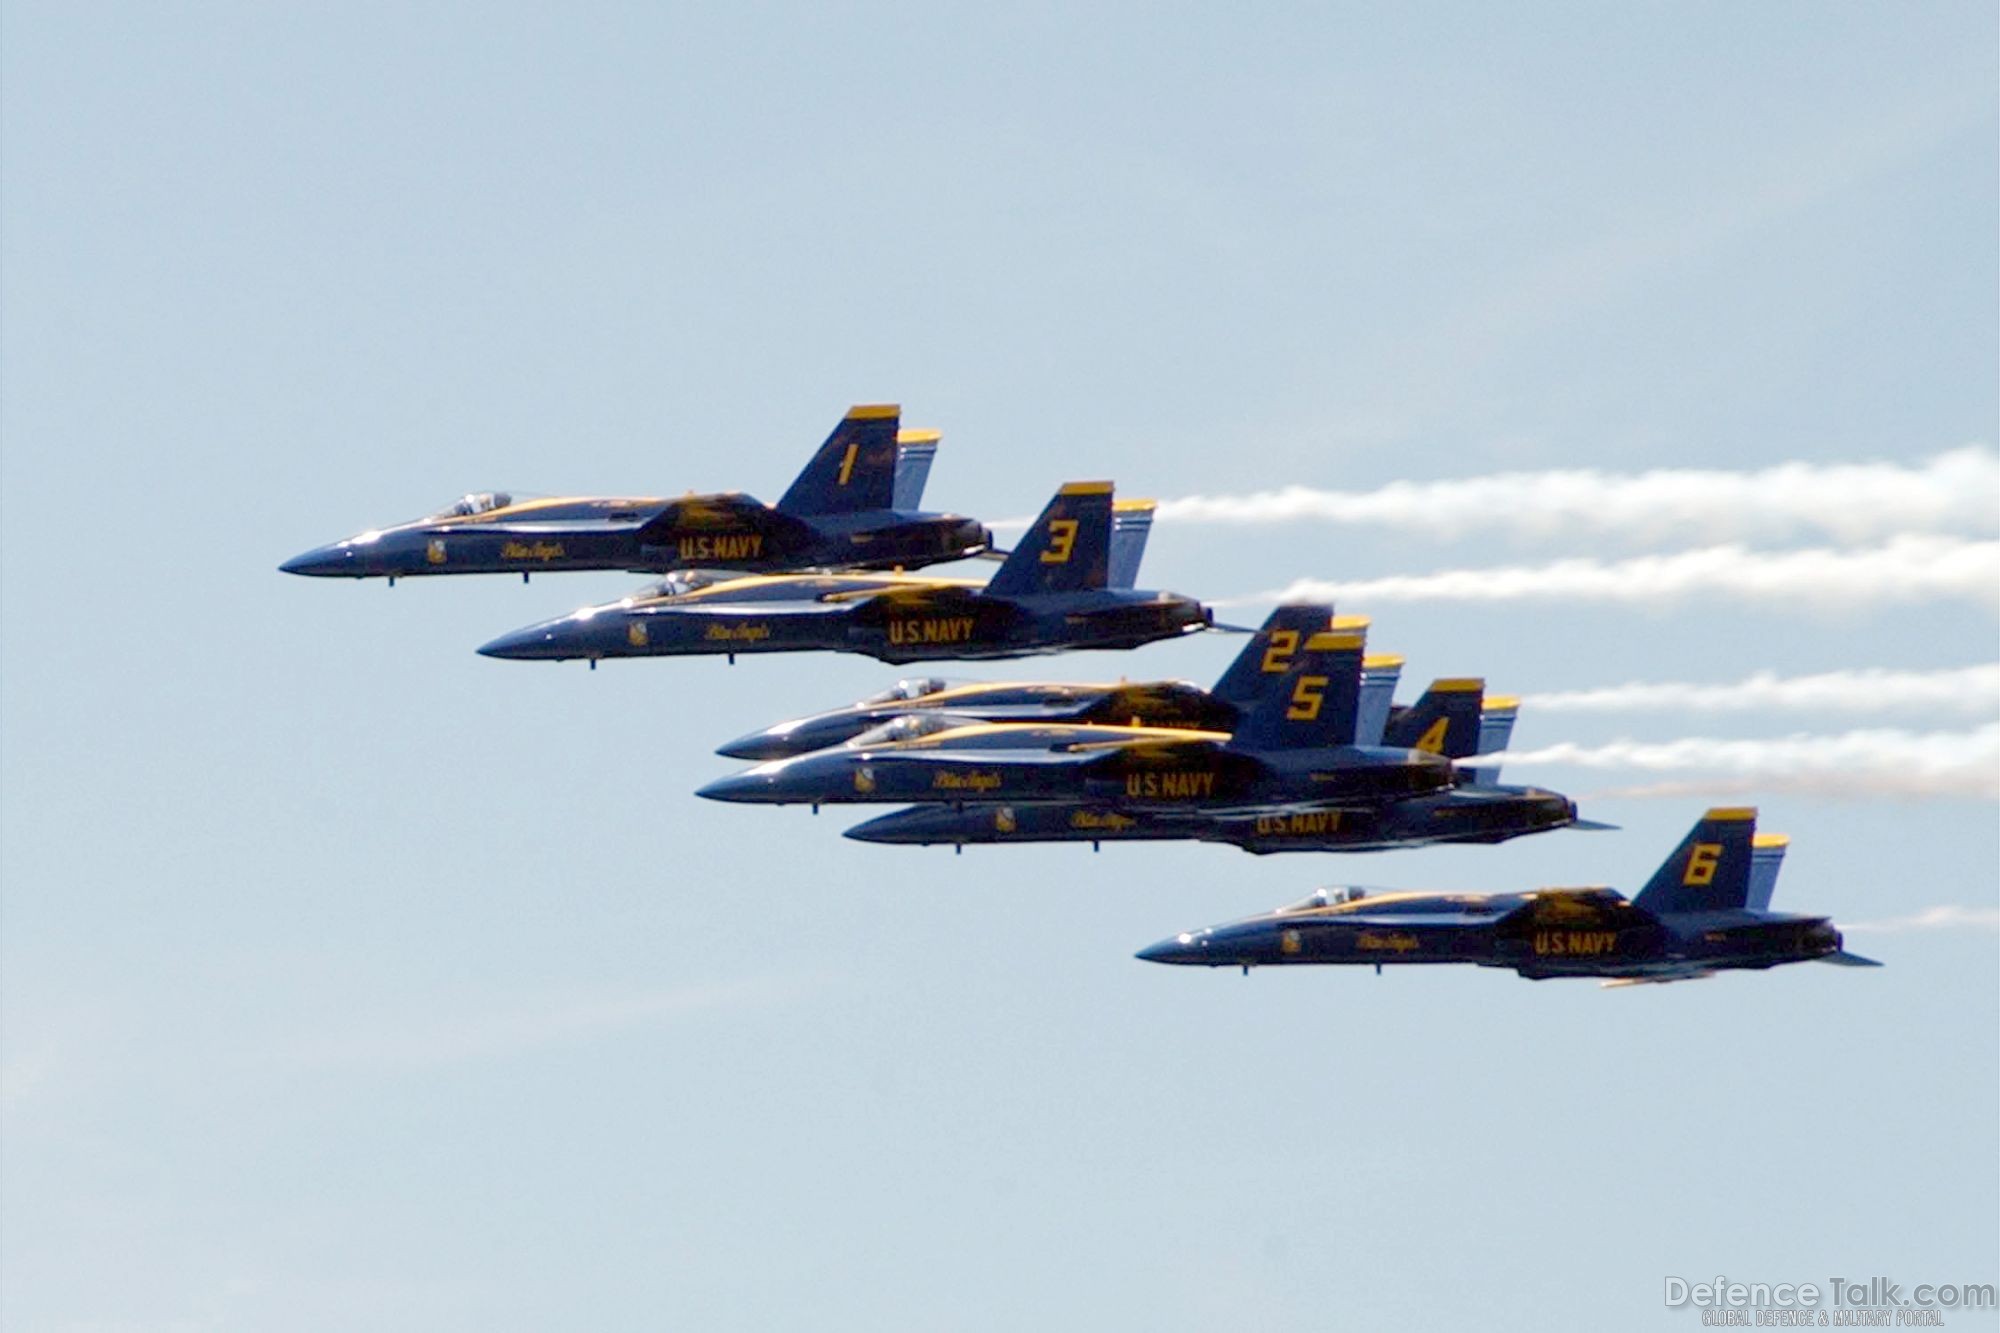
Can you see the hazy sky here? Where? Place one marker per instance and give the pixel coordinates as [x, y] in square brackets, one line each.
[354, 981]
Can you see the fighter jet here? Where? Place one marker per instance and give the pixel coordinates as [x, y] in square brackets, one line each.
[1292, 750]
[1051, 594]
[1479, 810]
[854, 507]
[1155, 703]
[1706, 910]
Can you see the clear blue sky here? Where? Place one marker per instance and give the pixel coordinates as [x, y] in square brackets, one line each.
[354, 981]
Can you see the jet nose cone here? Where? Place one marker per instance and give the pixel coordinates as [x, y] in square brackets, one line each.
[766, 784]
[322, 562]
[757, 745]
[798, 737]
[918, 825]
[543, 642]
[1182, 948]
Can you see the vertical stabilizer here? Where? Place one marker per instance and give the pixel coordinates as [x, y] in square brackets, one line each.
[1710, 870]
[1068, 548]
[1380, 673]
[1444, 721]
[1131, 524]
[1271, 649]
[1767, 857]
[1496, 729]
[855, 469]
[1314, 702]
[916, 450]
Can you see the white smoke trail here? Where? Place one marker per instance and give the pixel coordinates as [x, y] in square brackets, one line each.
[1956, 491]
[1934, 918]
[1964, 690]
[1905, 569]
[1855, 763]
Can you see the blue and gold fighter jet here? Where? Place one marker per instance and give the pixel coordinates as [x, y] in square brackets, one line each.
[1052, 593]
[1706, 910]
[1293, 749]
[854, 507]
[1153, 703]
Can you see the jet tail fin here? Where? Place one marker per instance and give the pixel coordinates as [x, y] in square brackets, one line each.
[1710, 870]
[1380, 674]
[916, 450]
[1767, 857]
[1497, 716]
[1270, 652]
[1445, 721]
[855, 469]
[1131, 524]
[1313, 702]
[1066, 550]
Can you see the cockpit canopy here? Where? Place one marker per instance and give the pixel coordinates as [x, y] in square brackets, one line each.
[907, 728]
[477, 502]
[1326, 898]
[915, 687]
[680, 582]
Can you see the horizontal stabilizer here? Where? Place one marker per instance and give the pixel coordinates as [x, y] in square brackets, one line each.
[1845, 959]
[1596, 826]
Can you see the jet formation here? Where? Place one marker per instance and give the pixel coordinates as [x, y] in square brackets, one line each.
[1299, 746]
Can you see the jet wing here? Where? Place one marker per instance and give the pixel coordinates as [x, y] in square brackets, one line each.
[557, 526]
[1047, 758]
[734, 515]
[1660, 978]
[1153, 751]
[799, 607]
[1052, 711]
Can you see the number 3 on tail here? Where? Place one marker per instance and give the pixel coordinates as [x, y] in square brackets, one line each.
[1062, 540]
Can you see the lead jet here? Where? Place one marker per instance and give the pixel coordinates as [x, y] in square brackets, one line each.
[1155, 703]
[854, 507]
[1479, 810]
[1051, 594]
[1293, 750]
[1706, 910]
